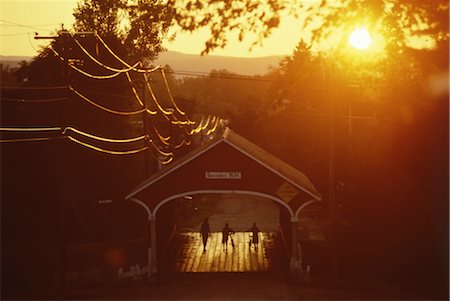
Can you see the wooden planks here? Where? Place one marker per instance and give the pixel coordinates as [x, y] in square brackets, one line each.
[217, 258]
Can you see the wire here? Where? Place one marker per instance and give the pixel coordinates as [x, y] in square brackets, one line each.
[112, 152]
[35, 27]
[45, 129]
[36, 88]
[161, 138]
[113, 140]
[183, 142]
[106, 66]
[82, 71]
[158, 105]
[134, 151]
[213, 120]
[104, 108]
[14, 34]
[136, 95]
[199, 127]
[92, 75]
[22, 100]
[31, 43]
[121, 60]
[167, 161]
[170, 93]
[166, 154]
[214, 128]
[31, 139]
[64, 130]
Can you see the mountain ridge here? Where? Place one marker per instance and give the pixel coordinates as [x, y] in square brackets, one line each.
[180, 61]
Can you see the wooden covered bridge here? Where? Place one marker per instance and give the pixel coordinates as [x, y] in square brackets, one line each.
[227, 164]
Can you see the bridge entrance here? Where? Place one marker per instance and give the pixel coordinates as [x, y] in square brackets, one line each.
[185, 253]
[226, 165]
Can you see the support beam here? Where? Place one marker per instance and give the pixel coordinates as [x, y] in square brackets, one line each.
[296, 256]
[152, 264]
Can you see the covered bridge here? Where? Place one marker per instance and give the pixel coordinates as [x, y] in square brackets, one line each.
[227, 163]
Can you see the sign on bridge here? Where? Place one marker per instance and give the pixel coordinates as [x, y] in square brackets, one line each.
[230, 175]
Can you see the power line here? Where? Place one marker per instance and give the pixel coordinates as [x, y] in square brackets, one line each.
[123, 61]
[36, 88]
[22, 100]
[32, 129]
[103, 150]
[14, 34]
[105, 139]
[32, 26]
[64, 130]
[169, 115]
[123, 113]
[31, 139]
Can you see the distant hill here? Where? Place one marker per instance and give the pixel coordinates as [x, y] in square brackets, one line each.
[13, 61]
[191, 62]
[195, 63]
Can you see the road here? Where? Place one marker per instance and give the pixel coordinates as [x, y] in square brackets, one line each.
[240, 286]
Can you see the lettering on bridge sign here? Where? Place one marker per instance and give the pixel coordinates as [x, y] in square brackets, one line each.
[287, 192]
[229, 175]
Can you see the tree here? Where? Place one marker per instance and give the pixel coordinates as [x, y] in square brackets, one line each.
[147, 22]
[139, 25]
[398, 21]
[7, 76]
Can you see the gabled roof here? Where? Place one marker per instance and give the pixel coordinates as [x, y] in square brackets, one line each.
[254, 152]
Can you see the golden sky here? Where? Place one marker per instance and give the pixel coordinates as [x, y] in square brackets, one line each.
[20, 19]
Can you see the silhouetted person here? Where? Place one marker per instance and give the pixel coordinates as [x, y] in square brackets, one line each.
[226, 231]
[255, 236]
[205, 232]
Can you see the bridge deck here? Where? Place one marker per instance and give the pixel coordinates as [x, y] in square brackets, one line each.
[188, 255]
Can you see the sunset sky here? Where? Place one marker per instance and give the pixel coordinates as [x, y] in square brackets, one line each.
[20, 20]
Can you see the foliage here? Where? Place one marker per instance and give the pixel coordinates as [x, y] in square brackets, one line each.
[242, 100]
[7, 77]
[142, 25]
[324, 20]
[139, 25]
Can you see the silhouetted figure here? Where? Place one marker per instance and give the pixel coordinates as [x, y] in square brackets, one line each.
[226, 232]
[205, 232]
[255, 236]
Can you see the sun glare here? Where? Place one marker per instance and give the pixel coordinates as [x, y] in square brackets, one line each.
[360, 39]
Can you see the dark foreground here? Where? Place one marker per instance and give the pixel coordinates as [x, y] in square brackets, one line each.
[235, 286]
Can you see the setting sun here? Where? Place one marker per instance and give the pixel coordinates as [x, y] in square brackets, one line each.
[360, 38]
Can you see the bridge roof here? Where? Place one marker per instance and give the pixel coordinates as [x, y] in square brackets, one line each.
[254, 156]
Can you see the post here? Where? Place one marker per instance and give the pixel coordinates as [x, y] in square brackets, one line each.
[294, 222]
[296, 259]
[62, 198]
[62, 206]
[146, 131]
[332, 185]
[152, 264]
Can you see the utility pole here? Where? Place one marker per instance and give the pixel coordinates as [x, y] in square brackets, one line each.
[332, 187]
[146, 129]
[330, 95]
[62, 200]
